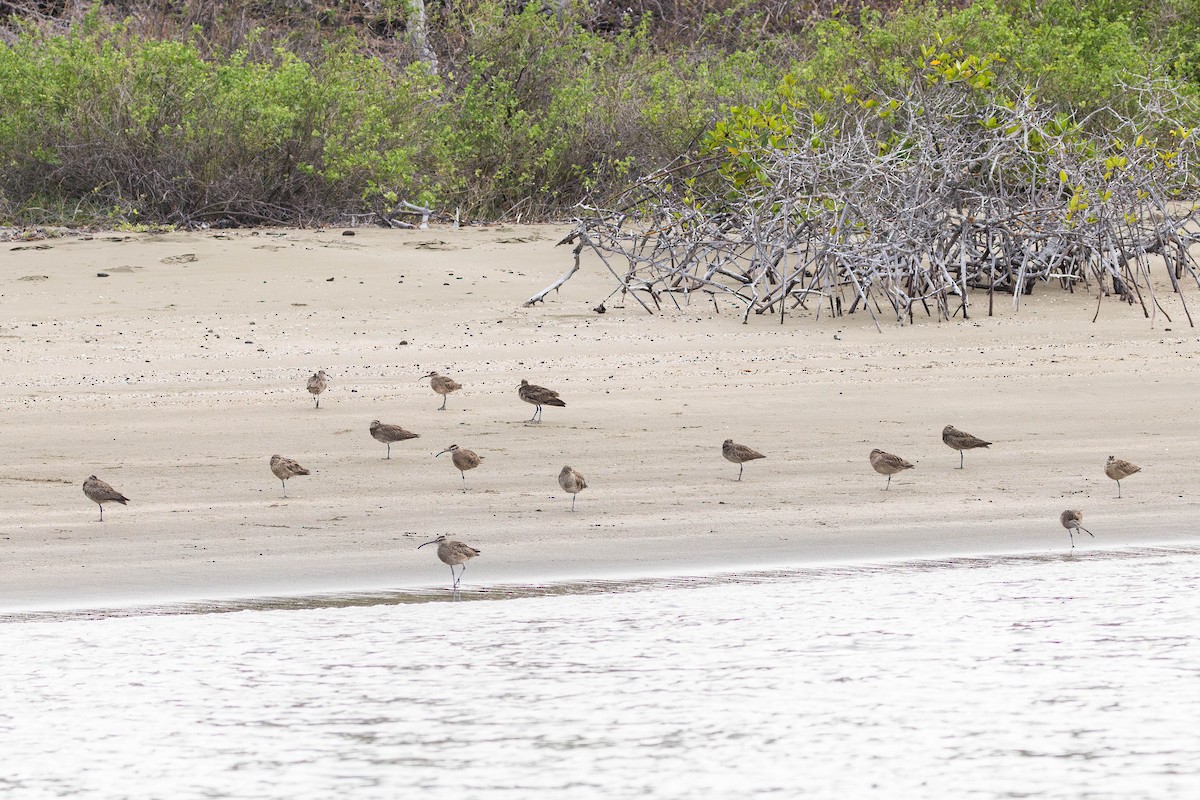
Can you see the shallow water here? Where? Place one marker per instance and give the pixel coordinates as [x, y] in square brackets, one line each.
[1037, 676]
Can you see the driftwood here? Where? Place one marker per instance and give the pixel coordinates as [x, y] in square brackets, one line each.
[947, 195]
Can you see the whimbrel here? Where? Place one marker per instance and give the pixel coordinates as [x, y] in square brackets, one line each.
[1073, 521]
[453, 553]
[538, 396]
[390, 433]
[888, 464]
[571, 482]
[100, 493]
[317, 384]
[739, 454]
[1118, 469]
[463, 459]
[960, 441]
[443, 386]
[285, 468]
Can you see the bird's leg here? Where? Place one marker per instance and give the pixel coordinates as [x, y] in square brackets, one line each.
[740, 468]
[442, 407]
[1072, 535]
[960, 458]
[573, 501]
[101, 511]
[1118, 490]
[464, 477]
[888, 485]
[284, 484]
[453, 579]
[318, 401]
[389, 444]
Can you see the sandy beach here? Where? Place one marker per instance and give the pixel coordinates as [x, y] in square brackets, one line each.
[176, 378]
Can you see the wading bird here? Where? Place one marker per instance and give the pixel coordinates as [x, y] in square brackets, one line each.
[100, 493]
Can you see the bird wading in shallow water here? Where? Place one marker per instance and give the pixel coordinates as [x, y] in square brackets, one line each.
[1073, 521]
[100, 493]
[453, 553]
[538, 396]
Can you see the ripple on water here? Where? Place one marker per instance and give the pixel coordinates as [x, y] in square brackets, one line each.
[973, 678]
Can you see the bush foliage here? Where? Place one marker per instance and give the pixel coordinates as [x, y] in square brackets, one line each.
[189, 119]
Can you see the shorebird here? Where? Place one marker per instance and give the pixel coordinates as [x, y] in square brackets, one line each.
[1073, 521]
[739, 454]
[571, 482]
[1118, 469]
[960, 441]
[390, 433]
[100, 493]
[453, 553]
[463, 459]
[285, 468]
[443, 386]
[538, 396]
[317, 384]
[888, 464]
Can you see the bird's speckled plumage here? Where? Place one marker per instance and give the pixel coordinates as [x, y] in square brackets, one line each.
[443, 386]
[317, 384]
[739, 454]
[572, 482]
[387, 434]
[463, 459]
[888, 464]
[960, 441]
[100, 492]
[1119, 469]
[538, 396]
[454, 553]
[1072, 520]
[285, 468]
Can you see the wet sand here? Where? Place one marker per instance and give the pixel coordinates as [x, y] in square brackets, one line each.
[176, 378]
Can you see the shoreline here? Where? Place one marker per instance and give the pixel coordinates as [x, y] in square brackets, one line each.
[609, 578]
[175, 380]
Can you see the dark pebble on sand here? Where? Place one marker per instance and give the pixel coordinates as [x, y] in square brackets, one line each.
[101, 274]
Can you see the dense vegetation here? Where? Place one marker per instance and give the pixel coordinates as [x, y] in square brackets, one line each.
[254, 112]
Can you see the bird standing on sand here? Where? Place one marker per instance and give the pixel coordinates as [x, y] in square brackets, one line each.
[463, 459]
[453, 553]
[390, 433]
[960, 441]
[571, 482]
[443, 386]
[1118, 469]
[285, 468]
[317, 384]
[100, 493]
[888, 464]
[538, 396]
[739, 454]
[1073, 521]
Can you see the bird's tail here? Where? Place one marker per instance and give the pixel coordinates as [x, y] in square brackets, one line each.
[555, 402]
